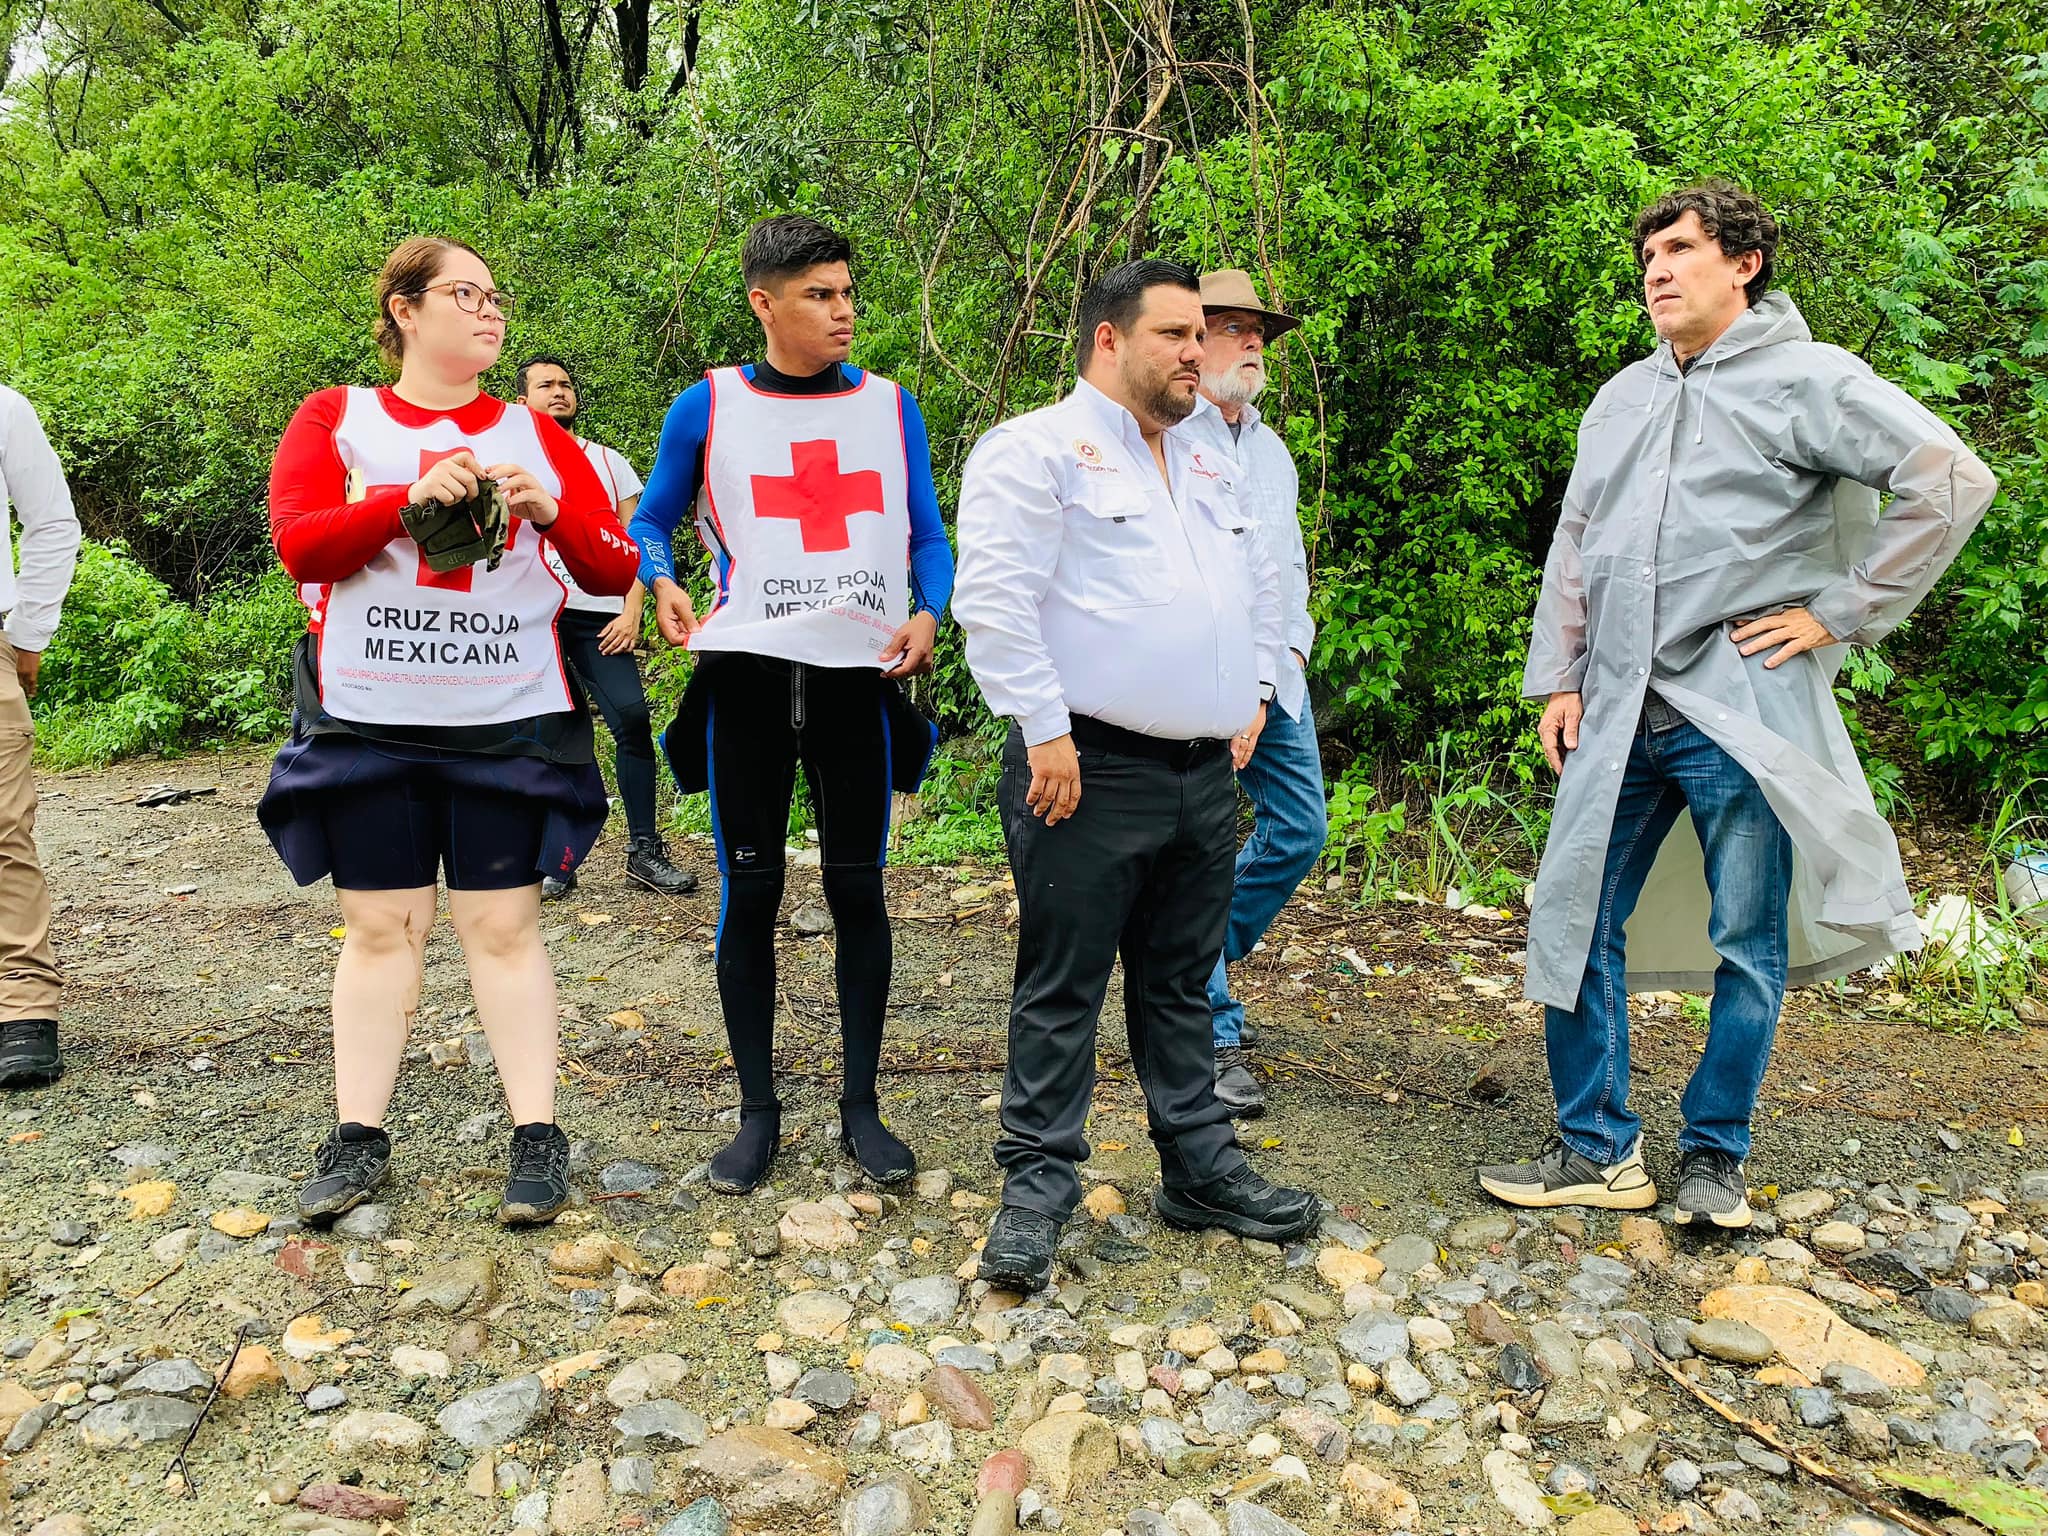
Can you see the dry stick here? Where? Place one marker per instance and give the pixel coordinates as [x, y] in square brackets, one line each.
[159, 1280]
[1812, 1466]
[178, 1461]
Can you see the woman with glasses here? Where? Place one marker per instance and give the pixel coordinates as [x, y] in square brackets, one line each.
[434, 730]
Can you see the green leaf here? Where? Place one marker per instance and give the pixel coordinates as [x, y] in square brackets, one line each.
[1996, 1505]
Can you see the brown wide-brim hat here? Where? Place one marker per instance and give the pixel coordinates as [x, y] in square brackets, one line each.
[1232, 289]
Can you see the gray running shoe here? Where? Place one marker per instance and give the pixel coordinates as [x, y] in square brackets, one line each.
[1236, 1086]
[1711, 1188]
[1559, 1176]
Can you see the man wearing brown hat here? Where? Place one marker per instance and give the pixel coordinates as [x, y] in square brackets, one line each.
[1284, 778]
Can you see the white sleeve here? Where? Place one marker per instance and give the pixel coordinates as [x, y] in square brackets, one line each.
[625, 483]
[1010, 528]
[34, 481]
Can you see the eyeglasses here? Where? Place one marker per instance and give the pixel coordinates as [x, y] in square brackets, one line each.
[1235, 329]
[471, 299]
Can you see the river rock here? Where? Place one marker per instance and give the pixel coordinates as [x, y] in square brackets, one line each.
[1515, 1491]
[379, 1436]
[494, 1414]
[578, 1505]
[765, 1476]
[134, 1422]
[958, 1398]
[661, 1422]
[1244, 1518]
[350, 1503]
[649, 1377]
[1808, 1335]
[170, 1378]
[924, 1302]
[815, 1226]
[1723, 1338]
[1070, 1452]
[460, 1288]
[893, 1505]
[818, 1315]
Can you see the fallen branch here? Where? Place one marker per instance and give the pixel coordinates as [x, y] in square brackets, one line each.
[159, 1280]
[1811, 1465]
[190, 1484]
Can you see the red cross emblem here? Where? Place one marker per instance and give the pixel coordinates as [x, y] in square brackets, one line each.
[818, 496]
[462, 578]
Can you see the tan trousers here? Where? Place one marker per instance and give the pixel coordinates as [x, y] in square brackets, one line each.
[29, 980]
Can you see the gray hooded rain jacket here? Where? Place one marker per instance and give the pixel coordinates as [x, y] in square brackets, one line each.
[1700, 500]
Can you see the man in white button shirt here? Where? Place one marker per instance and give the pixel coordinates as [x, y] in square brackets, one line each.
[1285, 776]
[33, 482]
[1121, 611]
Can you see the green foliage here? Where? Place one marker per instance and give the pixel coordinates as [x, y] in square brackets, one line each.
[133, 670]
[198, 196]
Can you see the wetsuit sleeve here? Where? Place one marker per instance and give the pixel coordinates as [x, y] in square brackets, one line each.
[670, 499]
[931, 554]
[597, 551]
[319, 534]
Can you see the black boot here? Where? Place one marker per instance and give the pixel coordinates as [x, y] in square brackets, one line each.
[1243, 1203]
[28, 1053]
[648, 862]
[741, 1166]
[880, 1152]
[351, 1165]
[537, 1187]
[1018, 1254]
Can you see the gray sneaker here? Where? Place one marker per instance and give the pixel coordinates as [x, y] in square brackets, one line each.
[1236, 1086]
[1711, 1188]
[1559, 1176]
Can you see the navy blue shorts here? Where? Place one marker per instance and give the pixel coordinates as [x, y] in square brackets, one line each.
[399, 836]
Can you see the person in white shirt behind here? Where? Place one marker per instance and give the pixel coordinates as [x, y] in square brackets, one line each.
[1122, 611]
[1284, 778]
[32, 481]
[598, 637]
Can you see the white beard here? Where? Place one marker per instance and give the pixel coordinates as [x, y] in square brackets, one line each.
[1238, 386]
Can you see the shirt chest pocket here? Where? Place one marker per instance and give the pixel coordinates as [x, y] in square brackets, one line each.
[1117, 552]
[1225, 526]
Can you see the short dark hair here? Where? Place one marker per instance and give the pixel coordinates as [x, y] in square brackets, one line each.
[544, 359]
[1732, 216]
[1119, 294]
[787, 244]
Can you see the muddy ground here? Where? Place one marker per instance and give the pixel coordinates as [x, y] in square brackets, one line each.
[196, 1020]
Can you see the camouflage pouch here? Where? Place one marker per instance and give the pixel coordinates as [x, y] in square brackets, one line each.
[453, 536]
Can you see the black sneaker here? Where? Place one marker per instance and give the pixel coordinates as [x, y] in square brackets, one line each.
[1559, 1176]
[1241, 1202]
[1018, 1254]
[1238, 1089]
[1711, 1188]
[648, 862]
[28, 1053]
[538, 1186]
[345, 1174]
[1247, 1033]
[555, 887]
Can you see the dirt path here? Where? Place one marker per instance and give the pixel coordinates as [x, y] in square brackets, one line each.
[196, 1023]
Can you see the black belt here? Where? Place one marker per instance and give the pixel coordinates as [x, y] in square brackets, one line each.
[1101, 736]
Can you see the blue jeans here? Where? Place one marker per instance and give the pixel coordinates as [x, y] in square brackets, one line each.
[1672, 765]
[1285, 782]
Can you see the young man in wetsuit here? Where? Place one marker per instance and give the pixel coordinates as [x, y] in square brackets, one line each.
[808, 480]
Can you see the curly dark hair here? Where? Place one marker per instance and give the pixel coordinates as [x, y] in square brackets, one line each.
[1732, 216]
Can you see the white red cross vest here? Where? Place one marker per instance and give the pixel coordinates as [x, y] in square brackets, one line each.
[807, 498]
[401, 644]
[602, 460]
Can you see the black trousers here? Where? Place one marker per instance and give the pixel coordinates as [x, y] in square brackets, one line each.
[614, 686]
[1141, 870]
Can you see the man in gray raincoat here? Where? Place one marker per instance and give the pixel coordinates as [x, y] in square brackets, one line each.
[1704, 577]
